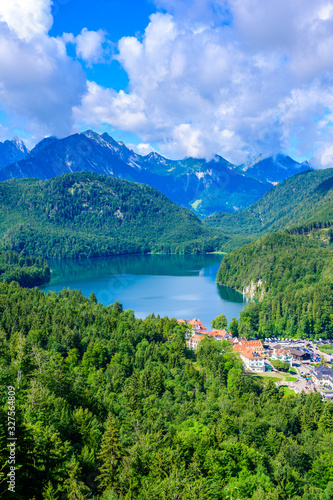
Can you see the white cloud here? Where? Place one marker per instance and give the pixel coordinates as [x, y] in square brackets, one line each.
[142, 149]
[197, 13]
[233, 77]
[121, 110]
[326, 159]
[260, 84]
[39, 83]
[89, 45]
[27, 18]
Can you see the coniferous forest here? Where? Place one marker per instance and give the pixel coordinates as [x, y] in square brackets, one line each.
[290, 276]
[26, 271]
[211, 204]
[112, 407]
[90, 215]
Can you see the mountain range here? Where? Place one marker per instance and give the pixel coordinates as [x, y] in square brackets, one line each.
[203, 186]
[299, 205]
[12, 151]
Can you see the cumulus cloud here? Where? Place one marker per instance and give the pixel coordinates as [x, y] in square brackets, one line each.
[142, 149]
[27, 18]
[39, 83]
[233, 77]
[197, 13]
[121, 110]
[89, 45]
[237, 78]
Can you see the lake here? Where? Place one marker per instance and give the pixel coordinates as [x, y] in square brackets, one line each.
[180, 286]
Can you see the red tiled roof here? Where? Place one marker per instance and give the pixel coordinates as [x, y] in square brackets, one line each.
[221, 333]
[238, 347]
[252, 343]
[250, 354]
[282, 351]
[197, 338]
[195, 322]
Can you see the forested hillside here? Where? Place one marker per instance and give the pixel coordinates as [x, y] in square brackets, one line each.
[86, 214]
[114, 408]
[292, 277]
[304, 201]
[27, 271]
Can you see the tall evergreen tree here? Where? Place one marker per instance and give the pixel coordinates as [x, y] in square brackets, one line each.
[110, 456]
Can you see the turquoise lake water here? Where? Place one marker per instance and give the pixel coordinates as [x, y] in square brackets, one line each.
[180, 286]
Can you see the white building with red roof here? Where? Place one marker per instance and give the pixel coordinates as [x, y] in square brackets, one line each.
[220, 334]
[194, 341]
[252, 359]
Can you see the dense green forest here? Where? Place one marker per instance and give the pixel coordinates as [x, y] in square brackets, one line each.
[27, 271]
[113, 407]
[300, 204]
[291, 276]
[87, 215]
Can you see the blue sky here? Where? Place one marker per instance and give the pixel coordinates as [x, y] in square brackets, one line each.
[117, 18]
[185, 77]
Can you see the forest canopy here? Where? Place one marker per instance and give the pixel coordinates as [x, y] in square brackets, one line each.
[25, 270]
[291, 278]
[90, 215]
[114, 407]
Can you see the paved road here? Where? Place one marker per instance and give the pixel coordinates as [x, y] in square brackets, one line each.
[298, 386]
[302, 368]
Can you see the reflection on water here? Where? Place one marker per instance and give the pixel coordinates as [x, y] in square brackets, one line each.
[160, 265]
[182, 286]
[229, 294]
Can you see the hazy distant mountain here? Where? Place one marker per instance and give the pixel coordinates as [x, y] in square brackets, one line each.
[11, 151]
[274, 169]
[205, 187]
[304, 200]
[75, 153]
[42, 144]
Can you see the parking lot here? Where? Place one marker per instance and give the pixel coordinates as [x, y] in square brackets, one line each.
[303, 369]
[303, 345]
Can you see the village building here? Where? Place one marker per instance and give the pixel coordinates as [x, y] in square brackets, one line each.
[193, 323]
[323, 378]
[255, 345]
[236, 340]
[252, 360]
[201, 332]
[220, 334]
[196, 324]
[300, 356]
[194, 341]
[282, 354]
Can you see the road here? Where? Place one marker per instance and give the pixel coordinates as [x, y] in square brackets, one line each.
[302, 368]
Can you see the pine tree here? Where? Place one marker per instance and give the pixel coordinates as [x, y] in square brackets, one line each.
[49, 493]
[76, 489]
[92, 298]
[326, 419]
[109, 455]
